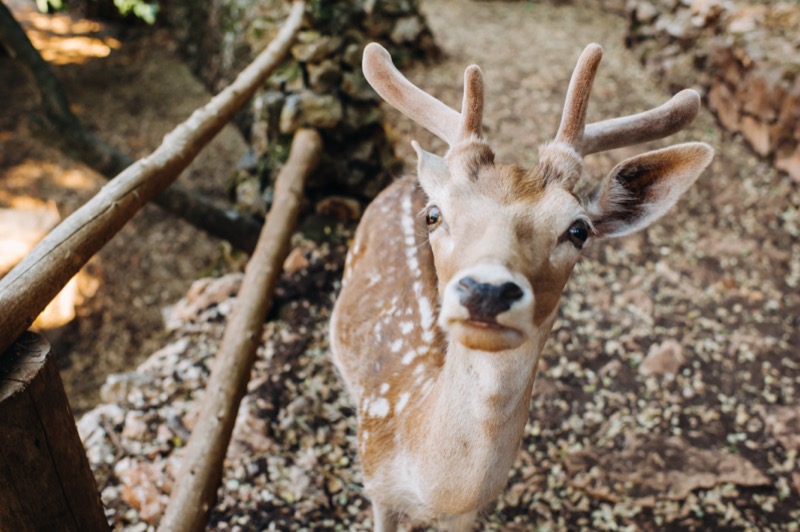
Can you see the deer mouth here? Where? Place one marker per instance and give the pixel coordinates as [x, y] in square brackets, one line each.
[484, 335]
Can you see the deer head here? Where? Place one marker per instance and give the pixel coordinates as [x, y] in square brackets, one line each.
[505, 238]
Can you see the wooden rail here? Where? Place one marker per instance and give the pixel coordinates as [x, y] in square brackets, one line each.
[195, 487]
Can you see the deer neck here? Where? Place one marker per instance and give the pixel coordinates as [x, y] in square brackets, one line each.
[470, 426]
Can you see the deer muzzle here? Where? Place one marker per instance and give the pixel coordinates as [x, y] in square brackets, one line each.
[488, 308]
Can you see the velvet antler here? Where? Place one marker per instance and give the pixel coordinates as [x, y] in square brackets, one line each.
[432, 114]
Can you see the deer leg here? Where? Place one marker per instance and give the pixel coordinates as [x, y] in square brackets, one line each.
[459, 523]
[385, 519]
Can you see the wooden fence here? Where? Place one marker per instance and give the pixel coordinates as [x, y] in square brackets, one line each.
[45, 479]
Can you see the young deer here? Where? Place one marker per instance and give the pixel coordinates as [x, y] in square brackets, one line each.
[452, 284]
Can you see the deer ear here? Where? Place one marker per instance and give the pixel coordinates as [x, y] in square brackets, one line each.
[641, 189]
[432, 170]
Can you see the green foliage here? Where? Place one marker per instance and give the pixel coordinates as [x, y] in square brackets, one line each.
[146, 11]
[141, 9]
[49, 5]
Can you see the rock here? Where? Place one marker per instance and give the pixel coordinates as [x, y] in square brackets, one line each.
[140, 487]
[311, 110]
[295, 261]
[313, 47]
[356, 87]
[118, 385]
[248, 196]
[407, 29]
[645, 13]
[135, 427]
[322, 77]
[665, 358]
[203, 294]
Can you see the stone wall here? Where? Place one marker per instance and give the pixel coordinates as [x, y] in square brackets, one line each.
[744, 57]
[320, 85]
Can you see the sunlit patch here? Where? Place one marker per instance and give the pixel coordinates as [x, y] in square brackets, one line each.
[61, 39]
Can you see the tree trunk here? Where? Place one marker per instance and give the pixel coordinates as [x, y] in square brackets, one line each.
[45, 479]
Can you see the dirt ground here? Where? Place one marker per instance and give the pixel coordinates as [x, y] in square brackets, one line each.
[712, 286]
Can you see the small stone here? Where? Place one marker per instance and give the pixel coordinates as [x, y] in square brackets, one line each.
[665, 358]
[248, 196]
[316, 48]
[296, 261]
[322, 77]
[645, 13]
[355, 85]
[135, 426]
[407, 29]
[311, 110]
[118, 385]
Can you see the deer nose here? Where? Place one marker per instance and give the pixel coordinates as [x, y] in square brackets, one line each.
[485, 301]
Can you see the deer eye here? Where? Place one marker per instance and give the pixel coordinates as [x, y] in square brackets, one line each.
[433, 218]
[577, 233]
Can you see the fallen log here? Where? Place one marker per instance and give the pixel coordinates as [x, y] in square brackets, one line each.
[195, 487]
[27, 289]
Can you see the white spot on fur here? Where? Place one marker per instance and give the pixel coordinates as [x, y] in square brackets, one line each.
[379, 407]
[408, 358]
[384, 388]
[406, 327]
[374, 278]
[396, 346]
[402, 400]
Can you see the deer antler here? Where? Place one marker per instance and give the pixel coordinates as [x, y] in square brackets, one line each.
[438, 118]
[573, 118]
[663, 121]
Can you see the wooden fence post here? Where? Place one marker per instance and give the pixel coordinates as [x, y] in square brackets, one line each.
[45, 479]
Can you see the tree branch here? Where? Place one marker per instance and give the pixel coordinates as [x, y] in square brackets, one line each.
[73, 138]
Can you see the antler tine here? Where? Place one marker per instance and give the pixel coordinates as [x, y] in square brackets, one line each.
[421, 107]
[471, 120]
[663, 121]
[573, 119]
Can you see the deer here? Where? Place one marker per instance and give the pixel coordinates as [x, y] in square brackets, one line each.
[453, 278]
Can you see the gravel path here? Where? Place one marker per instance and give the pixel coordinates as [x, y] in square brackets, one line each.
[668, 396]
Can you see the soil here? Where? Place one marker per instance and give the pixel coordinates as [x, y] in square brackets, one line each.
[613, 442]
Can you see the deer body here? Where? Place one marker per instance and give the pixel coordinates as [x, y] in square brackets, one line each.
[453, 280]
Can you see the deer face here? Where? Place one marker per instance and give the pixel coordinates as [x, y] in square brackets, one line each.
[504, 242]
